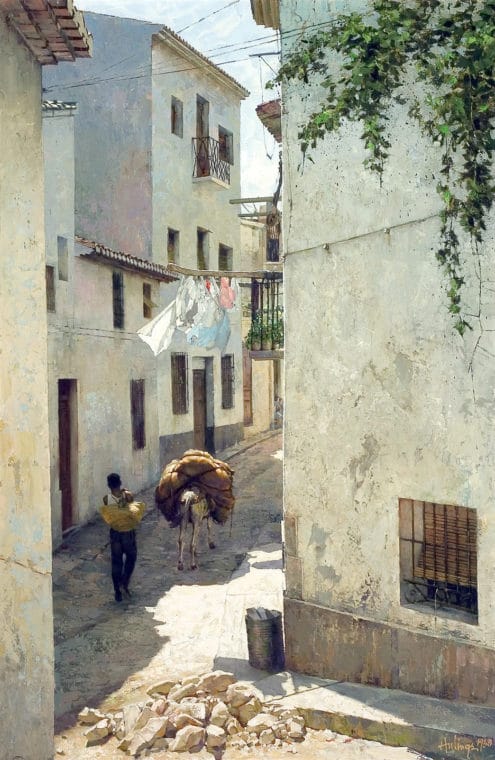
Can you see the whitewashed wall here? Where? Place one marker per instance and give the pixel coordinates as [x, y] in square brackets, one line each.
[26, 644]
[383, 399]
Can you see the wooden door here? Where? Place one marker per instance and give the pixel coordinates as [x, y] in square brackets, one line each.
[199, 408]
[247, 386]
[66, 399]
[202, 133]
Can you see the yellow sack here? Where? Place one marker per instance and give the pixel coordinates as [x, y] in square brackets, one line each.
[123, 518]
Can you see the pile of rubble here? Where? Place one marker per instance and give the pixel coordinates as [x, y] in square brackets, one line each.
[200, 711]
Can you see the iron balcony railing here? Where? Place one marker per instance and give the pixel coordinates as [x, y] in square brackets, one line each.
[266, 332]
[207, 161]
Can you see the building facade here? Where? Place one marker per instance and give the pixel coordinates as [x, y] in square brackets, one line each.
[389, 446]
[156, 145]
[51, 32]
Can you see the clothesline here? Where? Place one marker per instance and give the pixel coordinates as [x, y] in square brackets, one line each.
[176, 269]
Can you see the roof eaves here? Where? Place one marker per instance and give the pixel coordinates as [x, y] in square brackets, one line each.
[171, 38]
[99, 252]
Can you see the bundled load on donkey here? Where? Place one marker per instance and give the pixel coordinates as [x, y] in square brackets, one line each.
[194, 488]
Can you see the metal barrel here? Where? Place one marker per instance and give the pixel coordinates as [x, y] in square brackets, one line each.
[265, 639]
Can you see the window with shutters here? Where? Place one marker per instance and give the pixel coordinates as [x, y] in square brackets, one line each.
[137, 414]
[172, 246]
[225, 258]
[50, 288]
[118, 299]
[147, 302]
[225, 145]
[202, 248]
[228, 381]
[438, 556]
[176, 117]
[180, 395]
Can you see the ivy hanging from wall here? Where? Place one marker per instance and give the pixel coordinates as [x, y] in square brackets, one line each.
[451, 44]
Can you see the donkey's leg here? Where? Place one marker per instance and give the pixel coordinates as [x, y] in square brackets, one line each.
[209, 528]
[182, 525]
[196, 523]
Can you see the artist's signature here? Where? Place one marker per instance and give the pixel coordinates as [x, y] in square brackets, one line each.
[467, 744]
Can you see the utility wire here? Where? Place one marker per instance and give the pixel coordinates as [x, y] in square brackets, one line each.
[235, 47]
[203, 18]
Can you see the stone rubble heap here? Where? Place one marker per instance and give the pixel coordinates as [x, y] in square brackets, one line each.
[199, 711]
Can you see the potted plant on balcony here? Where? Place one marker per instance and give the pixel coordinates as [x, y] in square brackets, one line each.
[278, 334]
[266, 337]
[253, 338]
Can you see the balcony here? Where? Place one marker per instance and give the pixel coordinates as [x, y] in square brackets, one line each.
[208, 164]
[265, 338]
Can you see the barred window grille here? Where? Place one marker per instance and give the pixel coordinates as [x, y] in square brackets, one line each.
[118, 299]
[50, 288]
[137, 414]
[225, 258]
[438, 554]
[228, 381]
[180, 395]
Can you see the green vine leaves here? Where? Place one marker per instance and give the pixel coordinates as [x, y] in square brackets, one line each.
[451, 44]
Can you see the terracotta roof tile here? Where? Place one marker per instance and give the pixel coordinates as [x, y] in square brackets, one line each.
[101, 253]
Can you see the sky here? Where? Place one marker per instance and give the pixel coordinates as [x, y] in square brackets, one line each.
[224, 31]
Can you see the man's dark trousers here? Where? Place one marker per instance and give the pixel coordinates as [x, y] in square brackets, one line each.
[122, 544]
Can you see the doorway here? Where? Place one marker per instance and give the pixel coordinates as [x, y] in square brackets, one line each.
[67, 449]
[199, 408]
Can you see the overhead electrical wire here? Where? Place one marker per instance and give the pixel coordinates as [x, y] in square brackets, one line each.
[235, 47]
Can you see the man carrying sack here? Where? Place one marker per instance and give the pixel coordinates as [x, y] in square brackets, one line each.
[123, 515]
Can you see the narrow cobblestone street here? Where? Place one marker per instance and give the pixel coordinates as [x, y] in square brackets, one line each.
[177, 623]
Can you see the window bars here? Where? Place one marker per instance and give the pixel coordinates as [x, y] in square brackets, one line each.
[180, 395]
[137, 414]
[207, 161]
[438, 554]
[118, 299]
[227, 381]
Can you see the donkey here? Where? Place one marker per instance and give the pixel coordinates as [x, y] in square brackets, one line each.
[193, 506]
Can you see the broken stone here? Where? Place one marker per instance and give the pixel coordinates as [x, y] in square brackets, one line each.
[89, 716]
[182, 690]
[215, 682]
[260, 722]
[97, 732]
[219, 714]
[248, 711]
[267, 737]
[162, 687]
[145, 715]
[130, 715]
[196, 709]
[239, 693]
[280, 730]
[189, 737]
[159, 706]
[295, 731]
[154, 729]
[183, 719]
[233, 726]
[160, 744]
[215, 737]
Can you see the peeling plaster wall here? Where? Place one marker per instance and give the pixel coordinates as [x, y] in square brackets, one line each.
[383, 399]
[26, 633]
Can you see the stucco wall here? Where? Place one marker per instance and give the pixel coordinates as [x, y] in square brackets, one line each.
[184, 205]
[26, 643]
[113, 132]
[383, 399]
